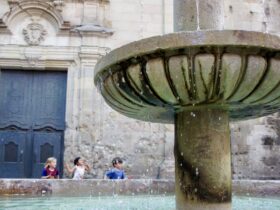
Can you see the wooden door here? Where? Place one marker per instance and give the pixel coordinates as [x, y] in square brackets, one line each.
[32, 121]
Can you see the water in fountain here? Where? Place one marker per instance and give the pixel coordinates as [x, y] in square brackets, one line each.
[160, 202]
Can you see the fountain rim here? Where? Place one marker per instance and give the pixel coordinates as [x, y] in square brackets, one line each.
[177, 40]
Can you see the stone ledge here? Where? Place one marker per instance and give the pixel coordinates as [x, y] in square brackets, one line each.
[99, 187]
[260, 188]
[93, 187]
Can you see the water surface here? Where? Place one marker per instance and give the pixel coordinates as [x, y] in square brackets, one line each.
[122, 203]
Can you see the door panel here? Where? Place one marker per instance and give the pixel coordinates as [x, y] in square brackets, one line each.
[32, 102]
[49, 92]
[46, 144]
[15, 103]
[12, 146]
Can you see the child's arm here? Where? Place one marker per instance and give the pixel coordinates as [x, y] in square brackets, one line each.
[70, 170]
[109, 174]
[105, 176]
[123, 175]
[87, 168]
[45, 175]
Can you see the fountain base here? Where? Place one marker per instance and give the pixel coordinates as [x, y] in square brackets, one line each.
[202, 160]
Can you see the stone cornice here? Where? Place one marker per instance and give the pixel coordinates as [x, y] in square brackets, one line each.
[98, 1]
[91, 54]
[93, 30]
[47, 57]
[37, 57]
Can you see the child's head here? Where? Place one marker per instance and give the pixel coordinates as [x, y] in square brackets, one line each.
[117, 162]
[51, 162]
[78, 161]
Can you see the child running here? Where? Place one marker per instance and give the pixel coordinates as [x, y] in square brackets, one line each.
[79, 168]
[50, 171]
[116, 172]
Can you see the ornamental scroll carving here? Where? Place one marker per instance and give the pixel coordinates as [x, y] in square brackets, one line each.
[34, 33]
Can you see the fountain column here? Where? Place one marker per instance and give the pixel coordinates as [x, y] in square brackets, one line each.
[202, 160]
[192, 15]
[202, 139]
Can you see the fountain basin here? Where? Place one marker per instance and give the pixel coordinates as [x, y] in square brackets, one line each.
[98, 187]
[152, 79]
[122, 194]
[86, 187]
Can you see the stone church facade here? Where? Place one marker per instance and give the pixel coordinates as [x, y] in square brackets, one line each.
[55, 44]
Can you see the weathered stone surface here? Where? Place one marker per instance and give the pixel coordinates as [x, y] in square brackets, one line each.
[256, 188]
[186, 15]
[202, 158]
[89, 187]
[97, 187]
[255, 148]
[191, 15]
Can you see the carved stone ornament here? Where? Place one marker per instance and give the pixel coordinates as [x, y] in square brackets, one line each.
[34, 33]
[58, 4]
[32, 55]
[13, 3]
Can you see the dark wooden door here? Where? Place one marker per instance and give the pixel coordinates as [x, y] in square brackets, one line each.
[32, 121]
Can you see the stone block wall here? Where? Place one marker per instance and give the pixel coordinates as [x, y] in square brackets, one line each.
[97, 132]
[255, 148]
[252, 15]
[255, 143]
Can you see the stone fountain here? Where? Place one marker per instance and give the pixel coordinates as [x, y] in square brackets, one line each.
[199, 80]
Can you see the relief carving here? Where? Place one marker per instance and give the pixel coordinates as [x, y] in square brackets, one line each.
[34, 33]
[13, 3]
[32, 55]
[58, 4]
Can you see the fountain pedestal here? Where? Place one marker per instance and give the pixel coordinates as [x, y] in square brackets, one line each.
[202, 160]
